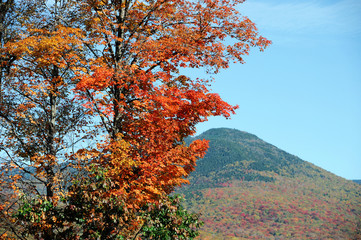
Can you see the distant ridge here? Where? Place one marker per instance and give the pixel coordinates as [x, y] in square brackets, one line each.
[357, 181]
[246, 188]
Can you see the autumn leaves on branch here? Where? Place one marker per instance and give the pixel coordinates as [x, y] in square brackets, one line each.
[94, 108]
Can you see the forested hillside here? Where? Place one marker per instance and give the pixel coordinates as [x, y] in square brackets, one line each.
[246, 188]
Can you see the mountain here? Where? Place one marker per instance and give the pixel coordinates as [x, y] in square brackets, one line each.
[357, 181]
[246, 188]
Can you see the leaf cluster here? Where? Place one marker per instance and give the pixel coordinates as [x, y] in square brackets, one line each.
[169, 220]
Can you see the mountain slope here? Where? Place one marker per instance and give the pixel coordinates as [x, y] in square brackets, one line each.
[237, 155]
[246, 188]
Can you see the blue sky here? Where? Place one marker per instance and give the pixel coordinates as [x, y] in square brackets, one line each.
[303, 94]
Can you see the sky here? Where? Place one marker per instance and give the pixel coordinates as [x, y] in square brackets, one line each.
[303, 94]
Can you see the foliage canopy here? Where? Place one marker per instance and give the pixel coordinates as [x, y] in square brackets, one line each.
[93, 90]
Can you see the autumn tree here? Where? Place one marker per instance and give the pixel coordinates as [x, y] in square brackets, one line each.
[39, 121]
[115, 68]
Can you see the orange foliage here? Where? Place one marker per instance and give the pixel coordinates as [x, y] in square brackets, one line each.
[122, 62]
[136, 88]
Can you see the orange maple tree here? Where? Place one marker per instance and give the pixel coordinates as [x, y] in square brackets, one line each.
[136, 88]
[114, 68]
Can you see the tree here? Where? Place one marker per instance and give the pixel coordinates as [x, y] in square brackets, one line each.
[38, 118]
[116, 71]
[136, 89]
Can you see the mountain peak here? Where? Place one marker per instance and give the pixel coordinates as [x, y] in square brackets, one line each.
[246, 188]
[228, 133]
[239, 155]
